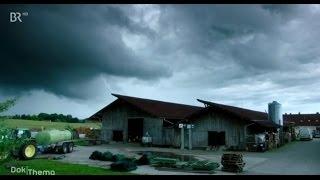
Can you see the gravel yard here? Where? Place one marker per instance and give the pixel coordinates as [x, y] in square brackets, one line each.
[295, 158]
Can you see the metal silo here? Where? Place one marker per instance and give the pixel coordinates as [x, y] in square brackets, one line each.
[274, 112]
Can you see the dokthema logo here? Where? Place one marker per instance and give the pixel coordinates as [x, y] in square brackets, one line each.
[17, 16]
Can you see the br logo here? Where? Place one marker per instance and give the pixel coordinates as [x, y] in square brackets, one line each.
[17, 16]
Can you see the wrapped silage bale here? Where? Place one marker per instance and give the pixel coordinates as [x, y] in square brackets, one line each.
[53, 136]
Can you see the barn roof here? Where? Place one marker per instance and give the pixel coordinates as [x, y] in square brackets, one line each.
[157, 108]
[246, 114]
[302, 119]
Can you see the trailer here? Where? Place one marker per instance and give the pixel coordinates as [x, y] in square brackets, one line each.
[48, 141]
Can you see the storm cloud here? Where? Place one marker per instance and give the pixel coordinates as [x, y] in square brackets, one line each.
[243, 55]
[59, 47]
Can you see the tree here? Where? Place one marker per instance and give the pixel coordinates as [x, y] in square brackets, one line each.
[6, 144]
[4, 106]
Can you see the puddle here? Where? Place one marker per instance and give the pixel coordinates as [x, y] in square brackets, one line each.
[168, 155]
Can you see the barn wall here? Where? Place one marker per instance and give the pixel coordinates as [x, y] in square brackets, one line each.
[116, 118]
[234, 129]
[154, 127]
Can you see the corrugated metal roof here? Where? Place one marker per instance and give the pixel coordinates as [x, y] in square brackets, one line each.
[240, 112]
[167, 110]
[157, 108]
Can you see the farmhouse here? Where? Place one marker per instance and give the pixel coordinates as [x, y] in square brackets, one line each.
[127, 119]
[298, 121]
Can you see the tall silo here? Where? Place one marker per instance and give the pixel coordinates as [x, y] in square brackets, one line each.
[274, 112]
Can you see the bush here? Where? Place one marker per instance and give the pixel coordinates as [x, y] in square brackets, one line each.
[8, 143]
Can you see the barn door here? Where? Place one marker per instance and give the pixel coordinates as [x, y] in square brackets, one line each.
[212, 138]
[216, 138]
[135, 129]
[222, 138]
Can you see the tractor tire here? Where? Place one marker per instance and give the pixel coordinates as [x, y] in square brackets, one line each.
[28, 151]
[70, 147]
[64, 148]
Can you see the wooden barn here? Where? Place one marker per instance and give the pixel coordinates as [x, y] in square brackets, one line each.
[127, 119]
[224, 125]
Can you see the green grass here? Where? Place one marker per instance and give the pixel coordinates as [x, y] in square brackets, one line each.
[59, 168]
[15, 123]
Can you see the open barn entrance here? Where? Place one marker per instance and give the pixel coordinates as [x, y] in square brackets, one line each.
[216, 138]
[135, 129]
[117, 135]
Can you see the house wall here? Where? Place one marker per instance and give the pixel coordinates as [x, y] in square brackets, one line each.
[116, 118]
[234, 129]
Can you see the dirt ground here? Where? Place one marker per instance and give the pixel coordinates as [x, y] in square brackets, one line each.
[294, 158]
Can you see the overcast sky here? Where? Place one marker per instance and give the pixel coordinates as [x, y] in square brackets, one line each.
[69, 58]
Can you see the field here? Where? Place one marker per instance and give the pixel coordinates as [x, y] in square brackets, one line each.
[15, 123]
[59, 168]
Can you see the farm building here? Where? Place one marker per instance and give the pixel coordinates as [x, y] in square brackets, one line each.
[129, 118]
[298, 121]
[219, 124]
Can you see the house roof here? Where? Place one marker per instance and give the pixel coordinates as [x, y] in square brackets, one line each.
[157, 108]
[302, 119]
[240, 112]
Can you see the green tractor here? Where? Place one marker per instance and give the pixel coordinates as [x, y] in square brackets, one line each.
[26, 146]
[27, 149]
[19, 143]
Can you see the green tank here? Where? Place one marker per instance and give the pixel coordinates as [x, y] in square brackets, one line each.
[53, 136]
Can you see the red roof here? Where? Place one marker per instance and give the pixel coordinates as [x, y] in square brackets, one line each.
[162, 109]
[302, 119]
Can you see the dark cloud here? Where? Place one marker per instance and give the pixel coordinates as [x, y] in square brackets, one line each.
[245, 55]
[58, 47]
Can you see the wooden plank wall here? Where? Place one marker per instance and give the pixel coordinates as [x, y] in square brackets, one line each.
[233, 128]
[116, 118]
